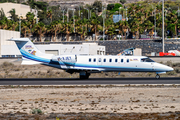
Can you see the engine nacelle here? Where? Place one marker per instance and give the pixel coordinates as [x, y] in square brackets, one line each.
[65, 58]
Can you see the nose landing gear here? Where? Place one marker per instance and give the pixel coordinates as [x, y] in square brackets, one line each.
[157, 76]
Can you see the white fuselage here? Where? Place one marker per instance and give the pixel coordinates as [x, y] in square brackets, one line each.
[110, 63]
[86, 64]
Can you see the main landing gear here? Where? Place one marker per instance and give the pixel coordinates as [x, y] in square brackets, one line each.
[157, 76]
[84, 75]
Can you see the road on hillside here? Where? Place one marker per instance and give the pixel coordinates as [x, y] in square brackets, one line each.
[96, 81]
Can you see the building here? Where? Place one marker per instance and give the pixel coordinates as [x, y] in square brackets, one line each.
[9, 48]
[78, 49]
[21, 10]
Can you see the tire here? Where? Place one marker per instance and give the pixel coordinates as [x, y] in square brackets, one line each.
[85, 76]
[157, 76]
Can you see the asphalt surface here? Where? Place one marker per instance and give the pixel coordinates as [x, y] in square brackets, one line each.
[96, 81]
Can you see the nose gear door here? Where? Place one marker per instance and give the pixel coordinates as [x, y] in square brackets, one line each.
[152, 64]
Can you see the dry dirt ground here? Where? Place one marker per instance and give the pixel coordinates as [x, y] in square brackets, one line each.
[90, 102]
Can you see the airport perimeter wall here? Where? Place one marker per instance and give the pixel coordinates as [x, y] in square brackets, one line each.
[114, 47]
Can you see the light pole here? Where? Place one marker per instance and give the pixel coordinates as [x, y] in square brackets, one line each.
[155, 22]
[67, 16]
[63, 15]
[119, 12]
[88, 12]
[119, 20]
[20, 24]
[79, 11]
[88, 18]
[73, 18]
[163, 24]
[36, 16]
[104, 16]
[82, 19]
[126, 15]
[97, 11]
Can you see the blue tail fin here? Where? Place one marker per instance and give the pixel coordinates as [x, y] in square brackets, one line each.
[31, 55]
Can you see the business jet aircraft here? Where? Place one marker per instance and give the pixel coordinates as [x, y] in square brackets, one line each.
[87, 64]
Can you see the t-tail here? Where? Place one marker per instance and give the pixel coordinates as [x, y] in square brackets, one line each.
[31, 54]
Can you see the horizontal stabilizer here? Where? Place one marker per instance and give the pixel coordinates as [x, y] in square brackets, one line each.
[19, 39]
[29, 62]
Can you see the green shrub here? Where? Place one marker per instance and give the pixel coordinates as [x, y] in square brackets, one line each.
[176, 65]
[36, 111]
[7, 64]
[171, 73]
[177, 70]
[169, 63]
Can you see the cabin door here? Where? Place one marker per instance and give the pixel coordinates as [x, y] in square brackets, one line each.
[99, 62]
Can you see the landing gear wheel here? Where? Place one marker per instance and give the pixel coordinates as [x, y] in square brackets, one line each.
[85, 76]
[157, 76]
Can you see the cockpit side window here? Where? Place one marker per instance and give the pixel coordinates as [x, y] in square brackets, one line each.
[146, 60]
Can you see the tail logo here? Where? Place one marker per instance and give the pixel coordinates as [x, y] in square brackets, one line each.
[28, 47]
[33, 52]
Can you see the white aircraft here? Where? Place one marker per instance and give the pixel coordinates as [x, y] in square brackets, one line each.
[87, 64]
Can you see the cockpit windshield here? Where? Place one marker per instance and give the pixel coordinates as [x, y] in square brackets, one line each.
[146, 60]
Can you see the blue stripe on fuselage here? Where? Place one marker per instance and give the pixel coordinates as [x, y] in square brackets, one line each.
[84, 66]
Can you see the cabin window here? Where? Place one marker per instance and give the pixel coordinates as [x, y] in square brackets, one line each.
[89, 59]
[127, 60]
[104, 60]
[94, 59]
[121, 60]
[116, 60]
[146, 60]
[99, 59]
[110, 60]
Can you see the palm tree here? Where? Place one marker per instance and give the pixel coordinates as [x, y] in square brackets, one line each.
[30, 21]
[148, 25]
[4, 23]
[25, 28]
[2, 14]
[125, 27]
[40, 29]
[173, 21]
[119, 25]
[12, 25]
[13, 16]
[68, 28]
[95, 24]
[109, 27]
[55, 29]
[49, 14]
[82, 28]
[136, 19]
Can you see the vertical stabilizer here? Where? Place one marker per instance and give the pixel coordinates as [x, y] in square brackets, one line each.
[30, 52]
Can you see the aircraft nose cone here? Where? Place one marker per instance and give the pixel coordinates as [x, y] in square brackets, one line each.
[170, 69]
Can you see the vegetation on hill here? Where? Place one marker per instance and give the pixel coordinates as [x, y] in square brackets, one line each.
[137, 18]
